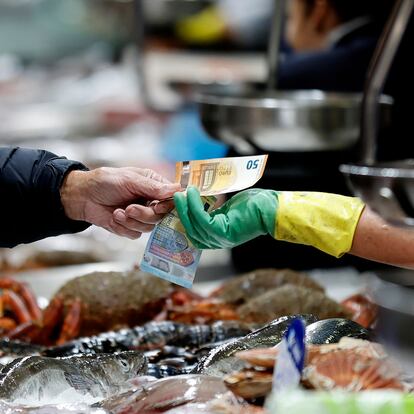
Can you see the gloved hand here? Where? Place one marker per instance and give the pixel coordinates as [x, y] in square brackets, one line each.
[325, 221]
[247, 215]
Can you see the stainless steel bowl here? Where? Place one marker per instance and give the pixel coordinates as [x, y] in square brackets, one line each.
[388, 188]
[284, 121]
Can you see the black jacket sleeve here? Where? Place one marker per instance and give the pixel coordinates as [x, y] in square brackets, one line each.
[30, 205]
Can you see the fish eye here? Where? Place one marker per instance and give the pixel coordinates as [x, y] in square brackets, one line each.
[124, 364]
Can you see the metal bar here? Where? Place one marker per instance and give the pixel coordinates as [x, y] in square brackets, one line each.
[139, 38]
[377, 75]
[273, 53]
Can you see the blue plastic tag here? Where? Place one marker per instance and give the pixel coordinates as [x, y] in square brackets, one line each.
[291, 357]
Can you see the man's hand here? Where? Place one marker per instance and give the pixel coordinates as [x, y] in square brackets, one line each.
[116, 198]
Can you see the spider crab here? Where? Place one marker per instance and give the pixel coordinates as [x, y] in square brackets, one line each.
[86, 306]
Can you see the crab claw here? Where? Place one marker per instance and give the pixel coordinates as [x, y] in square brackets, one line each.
[25, 331]
[23, 290]
[11, 301]
[7, 324]
[362, 309]
[52, 318]
[71, 323]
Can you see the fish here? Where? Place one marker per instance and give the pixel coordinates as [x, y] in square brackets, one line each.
[222, 361]
[150, 336]
[37, 380]
[329, 331]
[168, 393]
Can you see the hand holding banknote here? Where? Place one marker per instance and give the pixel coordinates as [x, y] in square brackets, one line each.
[115, 198]
[170, 252]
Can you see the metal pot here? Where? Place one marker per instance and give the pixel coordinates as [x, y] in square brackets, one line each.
[285, 121]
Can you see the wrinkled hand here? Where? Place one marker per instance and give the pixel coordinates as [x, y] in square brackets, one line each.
[246, 215]
[116, 198]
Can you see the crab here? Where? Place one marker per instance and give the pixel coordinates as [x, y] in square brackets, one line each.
[100, 302]
[259, 297]
[22, 318]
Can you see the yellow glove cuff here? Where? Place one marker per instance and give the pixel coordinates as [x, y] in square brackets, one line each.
[325, 221]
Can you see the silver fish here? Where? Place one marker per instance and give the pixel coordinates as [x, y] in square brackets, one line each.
[328, 331]
[220, 361]
[167, 393]
[149, 336]
[37, 380]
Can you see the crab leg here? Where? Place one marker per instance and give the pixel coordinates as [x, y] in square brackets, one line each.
[13, 302]
[71, 323]
[25, 331]
[52, 316]
[23, 290]
[7, 324]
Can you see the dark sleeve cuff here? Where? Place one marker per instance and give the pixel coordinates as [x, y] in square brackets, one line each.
[31, 207]
[49, 182]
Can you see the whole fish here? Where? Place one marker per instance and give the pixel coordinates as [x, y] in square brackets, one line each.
[329, 331]
[151, 335]
[221, 360]
[37, 380]
[167, 393]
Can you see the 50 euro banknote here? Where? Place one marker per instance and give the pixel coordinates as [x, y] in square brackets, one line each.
[169, 253]
[220, 175]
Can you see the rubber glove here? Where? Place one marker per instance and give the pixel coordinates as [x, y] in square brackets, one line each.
[325, 221]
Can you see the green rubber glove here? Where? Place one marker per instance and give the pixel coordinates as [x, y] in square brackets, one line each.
[245, 216]
[325, 221]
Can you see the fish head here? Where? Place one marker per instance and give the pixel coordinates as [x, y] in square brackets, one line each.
[130, 363]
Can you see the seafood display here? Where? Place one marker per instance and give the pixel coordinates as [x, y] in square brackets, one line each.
[126, 342]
